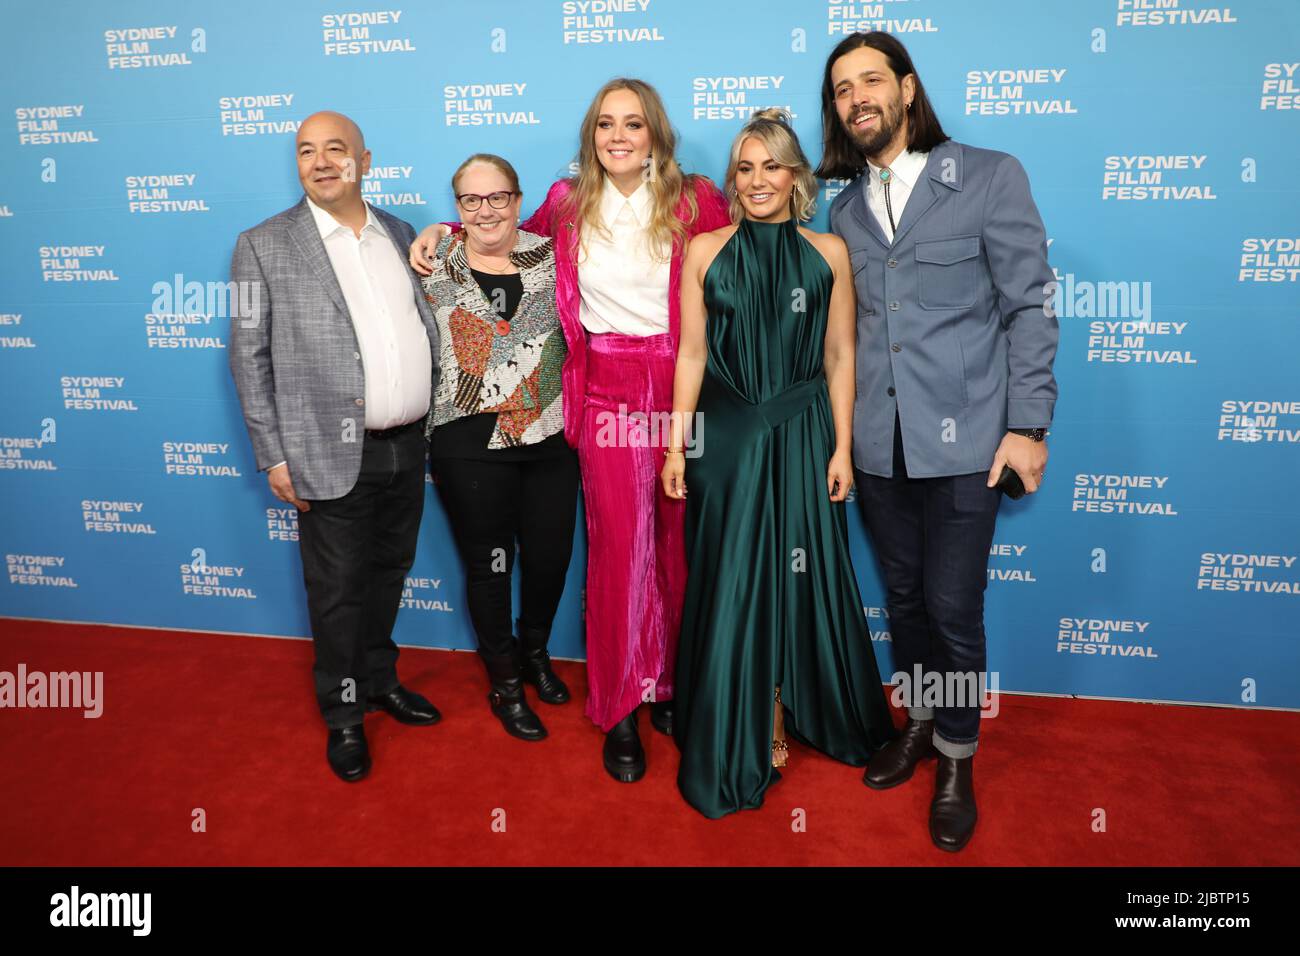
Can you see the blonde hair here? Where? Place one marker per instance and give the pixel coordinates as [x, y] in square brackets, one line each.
[772, 128]
[488, 159]
[665, 181]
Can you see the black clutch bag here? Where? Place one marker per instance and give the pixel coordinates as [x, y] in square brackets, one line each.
[1010, 483]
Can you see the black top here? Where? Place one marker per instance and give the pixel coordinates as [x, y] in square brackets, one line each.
[508, 289]
[468, 437]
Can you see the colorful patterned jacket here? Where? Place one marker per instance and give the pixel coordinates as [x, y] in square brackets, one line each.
[487, 364]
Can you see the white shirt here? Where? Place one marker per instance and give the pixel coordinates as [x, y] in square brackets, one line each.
[904, 171]
[393, 342]
[623, 287]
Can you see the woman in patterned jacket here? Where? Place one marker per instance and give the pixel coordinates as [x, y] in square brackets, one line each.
[496, 430]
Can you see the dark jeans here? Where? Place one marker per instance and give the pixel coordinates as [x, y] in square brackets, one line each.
[932, 537]
[356, 551]
[490, 504]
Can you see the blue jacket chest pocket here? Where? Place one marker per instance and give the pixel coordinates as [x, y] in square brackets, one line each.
[945, 272]
[861, 263]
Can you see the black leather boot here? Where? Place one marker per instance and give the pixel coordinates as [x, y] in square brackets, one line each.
[347, 752]
[536, 664]
[507, 698]
[623, 754]
[952, 812]
[895, 762]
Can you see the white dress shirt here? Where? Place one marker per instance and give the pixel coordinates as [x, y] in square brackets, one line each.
[904, 171]
[624, 288]
[393, 342]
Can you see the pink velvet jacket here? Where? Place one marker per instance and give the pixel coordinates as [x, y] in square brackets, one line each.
[550, 220]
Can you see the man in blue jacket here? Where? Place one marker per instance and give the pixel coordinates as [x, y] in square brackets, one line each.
[954, 383]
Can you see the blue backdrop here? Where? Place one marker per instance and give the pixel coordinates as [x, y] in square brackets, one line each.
[1161, 138]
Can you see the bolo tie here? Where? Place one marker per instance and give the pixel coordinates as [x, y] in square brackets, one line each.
[885, 178]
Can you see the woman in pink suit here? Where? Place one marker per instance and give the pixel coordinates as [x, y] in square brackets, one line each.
[620, 228]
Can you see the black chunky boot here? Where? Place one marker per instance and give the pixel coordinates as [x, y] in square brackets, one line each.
[623, 755]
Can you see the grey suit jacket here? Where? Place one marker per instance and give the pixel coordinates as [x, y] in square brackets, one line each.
[294, 352]
[952, 328]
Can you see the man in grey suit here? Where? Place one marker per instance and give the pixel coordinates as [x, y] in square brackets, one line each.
[335, 362]
[954, 385]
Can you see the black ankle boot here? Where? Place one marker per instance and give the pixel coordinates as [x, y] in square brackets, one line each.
[952, 811]
[895, 762]
[623, 754]
[507, 698]
[536, 664]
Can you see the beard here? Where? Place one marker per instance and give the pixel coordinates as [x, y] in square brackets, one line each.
[872, 142]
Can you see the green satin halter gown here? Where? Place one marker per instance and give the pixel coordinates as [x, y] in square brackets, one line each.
[771, 597]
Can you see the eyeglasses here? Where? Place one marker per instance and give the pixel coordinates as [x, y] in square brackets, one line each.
[472, 201]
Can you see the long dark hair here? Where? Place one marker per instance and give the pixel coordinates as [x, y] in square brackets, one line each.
[841, 157]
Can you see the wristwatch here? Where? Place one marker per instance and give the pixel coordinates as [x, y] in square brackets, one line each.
[1033, 434]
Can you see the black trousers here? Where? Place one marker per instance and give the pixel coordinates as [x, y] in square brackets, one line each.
[932, 537]
[490, 505]
[356, 551]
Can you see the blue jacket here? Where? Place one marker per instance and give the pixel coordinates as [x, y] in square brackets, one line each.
[953, 328]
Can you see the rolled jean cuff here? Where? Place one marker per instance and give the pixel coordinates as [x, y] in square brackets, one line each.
[953, 750]
[920, 713]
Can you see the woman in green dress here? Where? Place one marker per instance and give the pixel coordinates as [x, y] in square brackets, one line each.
[773, 630]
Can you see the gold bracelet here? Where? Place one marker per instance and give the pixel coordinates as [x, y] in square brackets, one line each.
[674, 451]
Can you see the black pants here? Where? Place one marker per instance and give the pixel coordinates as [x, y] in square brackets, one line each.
[356, 551]
[490, 504]
[932, 537]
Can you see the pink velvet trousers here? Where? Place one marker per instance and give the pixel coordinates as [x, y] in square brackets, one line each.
[636, 557]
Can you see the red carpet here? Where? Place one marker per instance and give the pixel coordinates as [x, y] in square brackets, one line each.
[228, 724]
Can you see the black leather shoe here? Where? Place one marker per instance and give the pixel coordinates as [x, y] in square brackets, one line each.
[895, 762]
[406, 706]
[507, 698]
[623, 754]
[347, 752]
[536, 665]
[952, 812]
[661, 716]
